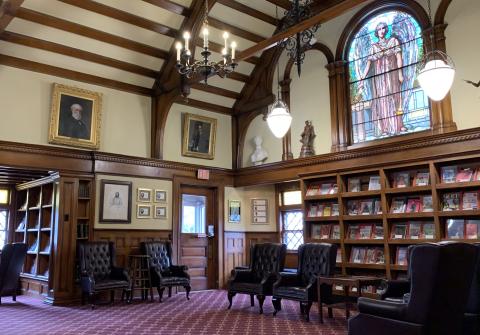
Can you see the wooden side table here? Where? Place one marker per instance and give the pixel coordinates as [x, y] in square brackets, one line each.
[139, 272]
[347, 282]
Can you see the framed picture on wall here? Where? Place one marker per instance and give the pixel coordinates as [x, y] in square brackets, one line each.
[115, 201]
[259, 211]
[144, 195]
[75, 117]
[234, 211]
[144, 211]
[160, 196]
[160, 212]
[199, 136]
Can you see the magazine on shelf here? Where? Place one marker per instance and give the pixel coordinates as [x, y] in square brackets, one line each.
[427, 203]
[319, 210]
[312, 211]
[334, 189]
[369, 258]
[377, 206]
[449, 174]
[353, 232]
[353, 207]
[375, 256]
[398, 205]
[339, 255]
[414, 230]
[316, 231]
[464, 175]
[399, 230]
[374, 183]
[354, 185]
[455, 228]
[402, 179]
[378, 232]
[451, 201]
[422, 179]
[327, 210]
[335, 210]
[335, 232]
[428, 231]
[476, 176]
[365, 231]
[401, 257]
[312, 190]
[470, 200]
[366, 207]
[471, 229]
[414, 205]
[358, 255]
[325, 231]
[325, 188]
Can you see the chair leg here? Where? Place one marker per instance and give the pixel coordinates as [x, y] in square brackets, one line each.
[307, 311]
[0, 300]
[230, 296]
[91, 298]
[187, 290]
[170, 292]
[261, 299]
[160, 293]
[252, 300]
[302, 311]
[277, 305]
[14, 297]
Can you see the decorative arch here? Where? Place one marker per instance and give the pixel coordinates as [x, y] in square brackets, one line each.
[317, 46]
[441, 12]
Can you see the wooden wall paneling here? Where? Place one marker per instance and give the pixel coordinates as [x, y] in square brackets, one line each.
[234, 252]
[252, 238]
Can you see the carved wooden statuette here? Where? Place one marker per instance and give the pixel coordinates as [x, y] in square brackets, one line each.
[308, 135]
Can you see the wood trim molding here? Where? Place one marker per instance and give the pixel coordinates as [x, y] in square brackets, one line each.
[8, 10]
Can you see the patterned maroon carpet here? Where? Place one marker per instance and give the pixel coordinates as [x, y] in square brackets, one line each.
[205, 313]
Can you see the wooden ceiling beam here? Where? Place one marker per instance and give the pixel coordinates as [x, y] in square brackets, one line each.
[235, 30]
[285, 4]
[321, 17]
[75, 28]
[25, 64]
[170, 6]
[204, 105]
[8, 11]
[123, 16]
[216, 90]
[76, 53]
[249, 11]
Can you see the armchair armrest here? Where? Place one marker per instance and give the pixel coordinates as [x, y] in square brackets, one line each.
[119, 273]
[241, 275]
[396, 289]
[179, 271]
[382, 308]
[286, 279]
[87, 282]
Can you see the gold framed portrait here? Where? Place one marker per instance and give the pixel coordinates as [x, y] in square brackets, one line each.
[199, 136]
[75, 117]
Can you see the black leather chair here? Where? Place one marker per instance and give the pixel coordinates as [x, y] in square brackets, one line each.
[441, 275]
[398, 289]
[11, 263]
[162, 271]
[314, 259]
[471, 324]
[98, 271]
[266, 261]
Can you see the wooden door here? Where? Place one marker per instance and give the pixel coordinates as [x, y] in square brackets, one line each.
[197, 245]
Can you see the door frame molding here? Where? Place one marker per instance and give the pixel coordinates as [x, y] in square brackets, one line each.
[218, 188]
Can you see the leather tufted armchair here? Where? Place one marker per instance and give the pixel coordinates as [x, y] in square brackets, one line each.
[396, 289]
[266, 261]
[98, 271]
[163, 273]
[471, 324]
[441, 275]
[11, 263]
[314, 259]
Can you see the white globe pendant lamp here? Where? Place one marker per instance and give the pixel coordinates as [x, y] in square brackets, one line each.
[279, 118]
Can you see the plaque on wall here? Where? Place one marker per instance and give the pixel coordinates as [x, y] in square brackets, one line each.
[259, 211]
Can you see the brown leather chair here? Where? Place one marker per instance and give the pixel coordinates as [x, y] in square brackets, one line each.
[11, 263]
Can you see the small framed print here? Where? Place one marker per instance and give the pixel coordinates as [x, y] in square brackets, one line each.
[144, 195]
[115, 201]
[160, 196]
[259, 211]
[144, 211]
[160, 212]
[234, 211]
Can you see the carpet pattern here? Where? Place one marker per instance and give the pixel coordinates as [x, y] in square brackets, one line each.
[205, 313]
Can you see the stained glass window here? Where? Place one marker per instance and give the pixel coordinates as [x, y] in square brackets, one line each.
[385, 97]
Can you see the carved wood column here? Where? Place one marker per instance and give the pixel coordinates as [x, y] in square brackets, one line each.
[442, 118]
[161, 105]
[333, 106]
[338, 81]
[287, 139]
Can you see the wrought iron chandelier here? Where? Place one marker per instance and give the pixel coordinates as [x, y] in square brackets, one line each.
[187, 66]
[297, 44]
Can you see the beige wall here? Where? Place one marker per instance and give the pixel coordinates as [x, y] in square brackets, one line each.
[245, 195]
[25, 101]
[172, 145]
[150, 224]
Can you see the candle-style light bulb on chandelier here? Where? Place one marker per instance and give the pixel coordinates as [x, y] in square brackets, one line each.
[436, 69]
[187, 66]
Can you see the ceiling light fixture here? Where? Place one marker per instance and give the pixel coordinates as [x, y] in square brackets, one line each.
[436, 70]
[187, 66]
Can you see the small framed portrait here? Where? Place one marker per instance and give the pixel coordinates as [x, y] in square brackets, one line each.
[160, 196]
[144, 195]
[115, 201]
[199, 136]
[144, 211]
[160, 212]
[75, 117]
[234, 211]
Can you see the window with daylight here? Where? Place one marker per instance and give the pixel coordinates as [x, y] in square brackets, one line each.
[291, 216]
[4, 201]
[385, 97]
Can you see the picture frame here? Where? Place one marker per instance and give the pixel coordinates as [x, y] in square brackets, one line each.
[160, 212]
[144, 211]
[160, 196]
[144, 195]
[234, 211]
[199, 133]
[75, 117]
[259, 211]
[115, 201]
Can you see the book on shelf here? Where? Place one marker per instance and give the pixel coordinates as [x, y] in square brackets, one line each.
[353, 207]
[335, 232]
[83, 190]
[316, 231]
[325, 231]
[377, 232]
[327, 210]
[353, 232]
[339, 255]
[335, 210]
[428, 231]
[414, 205]
[401, 256]
[375, 256]
[312, 190]
[358, 255]
[464, 175]
[374, 183]
[34, 246]
[471, 229]
[377, 206]
[399, 230]
[422, 179]
[414, 230]
[455, 228]
[449, 174]
[451, 201]
[354, 185]
[402, 179]
[366, 207]
[398, 205]
[470, 200]
[365, 231]
[427, 203]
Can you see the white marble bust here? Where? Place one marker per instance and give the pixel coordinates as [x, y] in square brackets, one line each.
[260, 155]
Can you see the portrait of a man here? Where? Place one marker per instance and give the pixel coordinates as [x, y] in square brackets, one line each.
[75, 117]
[199, 136]
[115, 201]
